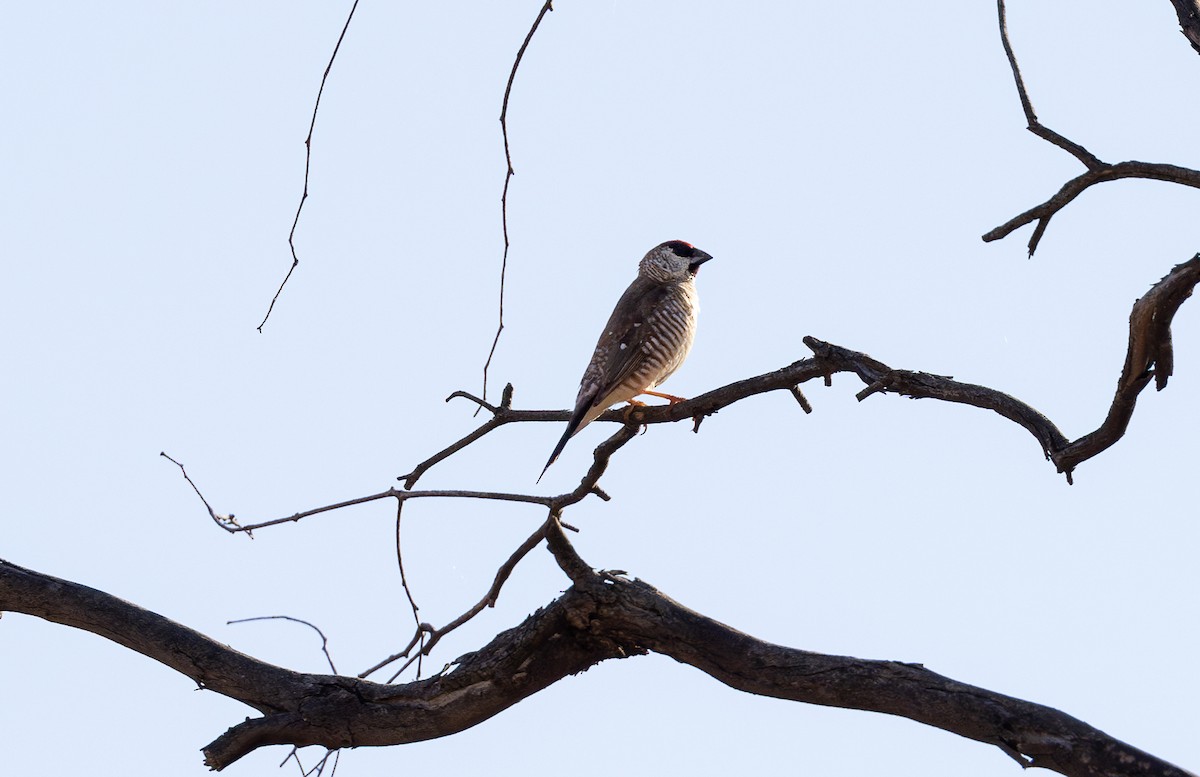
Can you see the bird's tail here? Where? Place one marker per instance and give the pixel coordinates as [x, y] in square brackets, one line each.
[557, 450]
[574, 425]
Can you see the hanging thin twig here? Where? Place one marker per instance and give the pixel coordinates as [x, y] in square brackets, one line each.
[508, 174]
[307, 166]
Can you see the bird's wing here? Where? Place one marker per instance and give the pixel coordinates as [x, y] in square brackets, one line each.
[619, 352]
[621, 348]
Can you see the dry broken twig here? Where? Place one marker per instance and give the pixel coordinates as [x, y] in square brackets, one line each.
[1097, 170]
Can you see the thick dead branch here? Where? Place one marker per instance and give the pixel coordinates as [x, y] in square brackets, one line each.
[598, 618]
[1097, 171]
[1150, 355]
[1188, 12]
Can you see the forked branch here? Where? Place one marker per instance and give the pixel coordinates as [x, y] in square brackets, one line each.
[1097, 171]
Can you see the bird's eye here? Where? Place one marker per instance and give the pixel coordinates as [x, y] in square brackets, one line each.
[682, 249]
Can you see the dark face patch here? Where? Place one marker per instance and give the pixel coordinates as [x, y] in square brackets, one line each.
[681, 248]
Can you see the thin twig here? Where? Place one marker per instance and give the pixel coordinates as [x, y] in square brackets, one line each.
[411, 478]
[508, 174]
[307, 166]
[293, 755]
[587, 485]
[321, 634]
[400, 563]
[489, 600]
[393, 493]
[319, 768]
[418, 638]
[226, 522]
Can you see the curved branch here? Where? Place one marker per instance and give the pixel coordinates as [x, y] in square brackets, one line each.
[1150, 353]
[600, 617]
[639, 617]
[321, 634]
[216, 667]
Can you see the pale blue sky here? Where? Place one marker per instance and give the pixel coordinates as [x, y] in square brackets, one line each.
[840, 168]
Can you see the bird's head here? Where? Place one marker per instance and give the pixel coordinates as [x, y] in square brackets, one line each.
[672, 262]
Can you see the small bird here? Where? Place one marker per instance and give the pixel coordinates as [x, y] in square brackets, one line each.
[646, 338]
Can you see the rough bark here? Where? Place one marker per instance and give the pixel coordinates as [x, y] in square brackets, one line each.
[1188, 12]
[600, 617]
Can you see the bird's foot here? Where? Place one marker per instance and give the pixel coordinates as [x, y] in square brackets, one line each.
[674, 400]
[627, 414]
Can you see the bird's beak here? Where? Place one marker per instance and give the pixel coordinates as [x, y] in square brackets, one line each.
[699, 259]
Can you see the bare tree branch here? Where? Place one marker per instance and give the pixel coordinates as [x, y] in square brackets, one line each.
[1076, 186]
[489, 600]
[587, 485]
[1097, 171]
[508, 174]
[1035, 126]
[1188, 12]
[226, 522]
[426, 637]
[600, 617]
[1149, 353]
[312, 125]
[319, 768]
[421, 628]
